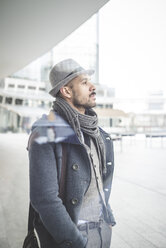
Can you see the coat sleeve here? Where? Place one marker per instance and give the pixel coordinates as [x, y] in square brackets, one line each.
[44, 191]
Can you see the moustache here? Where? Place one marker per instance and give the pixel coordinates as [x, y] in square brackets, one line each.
[93, 93]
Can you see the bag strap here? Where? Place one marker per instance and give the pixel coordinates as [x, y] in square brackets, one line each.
[31, 216]
[63, 173]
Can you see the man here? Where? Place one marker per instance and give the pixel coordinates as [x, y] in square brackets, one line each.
[70, 180]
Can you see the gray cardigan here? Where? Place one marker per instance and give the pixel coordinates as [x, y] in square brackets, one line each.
[60, 218]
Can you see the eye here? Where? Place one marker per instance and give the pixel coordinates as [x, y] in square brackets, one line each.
[84, 82]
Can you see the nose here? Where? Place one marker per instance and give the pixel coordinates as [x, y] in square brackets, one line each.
[92, 87]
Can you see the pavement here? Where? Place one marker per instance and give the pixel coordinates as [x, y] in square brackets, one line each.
[139, 193]
[138, 196]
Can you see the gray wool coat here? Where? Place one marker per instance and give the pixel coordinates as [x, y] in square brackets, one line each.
[56, 220]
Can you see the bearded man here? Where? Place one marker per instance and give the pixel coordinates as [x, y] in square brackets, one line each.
[70, 180]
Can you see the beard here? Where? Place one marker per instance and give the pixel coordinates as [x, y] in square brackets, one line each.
[80, 104]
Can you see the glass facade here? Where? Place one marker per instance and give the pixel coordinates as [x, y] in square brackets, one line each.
[81, 45]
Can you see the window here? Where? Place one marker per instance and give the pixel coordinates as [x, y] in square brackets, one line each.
[21, 86]
[2, 84]
[99, 105]
[41, 103]
[26, 102]
[156, 105]
[11, 85]
[18, 101]
[31, 88]
[1, 99]
[109, 106]
[8, 100]
[100, 92]
[42, 89]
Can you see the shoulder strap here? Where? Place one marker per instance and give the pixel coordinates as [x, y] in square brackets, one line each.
[63, 173]
[31, 218]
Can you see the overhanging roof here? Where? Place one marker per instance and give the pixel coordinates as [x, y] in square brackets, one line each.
[29, 29]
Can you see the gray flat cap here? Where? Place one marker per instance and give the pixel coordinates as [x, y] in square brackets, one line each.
[64, 72]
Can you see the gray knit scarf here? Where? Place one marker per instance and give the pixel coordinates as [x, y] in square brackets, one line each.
[86, 123]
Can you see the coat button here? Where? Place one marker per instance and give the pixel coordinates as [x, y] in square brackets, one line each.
[68, 243]
[109, 163]
[75, 167]
[74, 201]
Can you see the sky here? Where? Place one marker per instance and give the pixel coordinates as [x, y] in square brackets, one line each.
[132, 36]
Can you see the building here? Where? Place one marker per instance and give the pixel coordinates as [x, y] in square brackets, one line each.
[153, 118]
[146, 114]
[22, 102]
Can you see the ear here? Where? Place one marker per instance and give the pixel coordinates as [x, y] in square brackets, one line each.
[66, 91]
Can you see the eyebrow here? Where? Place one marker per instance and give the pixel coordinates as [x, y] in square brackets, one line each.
[85, 78]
